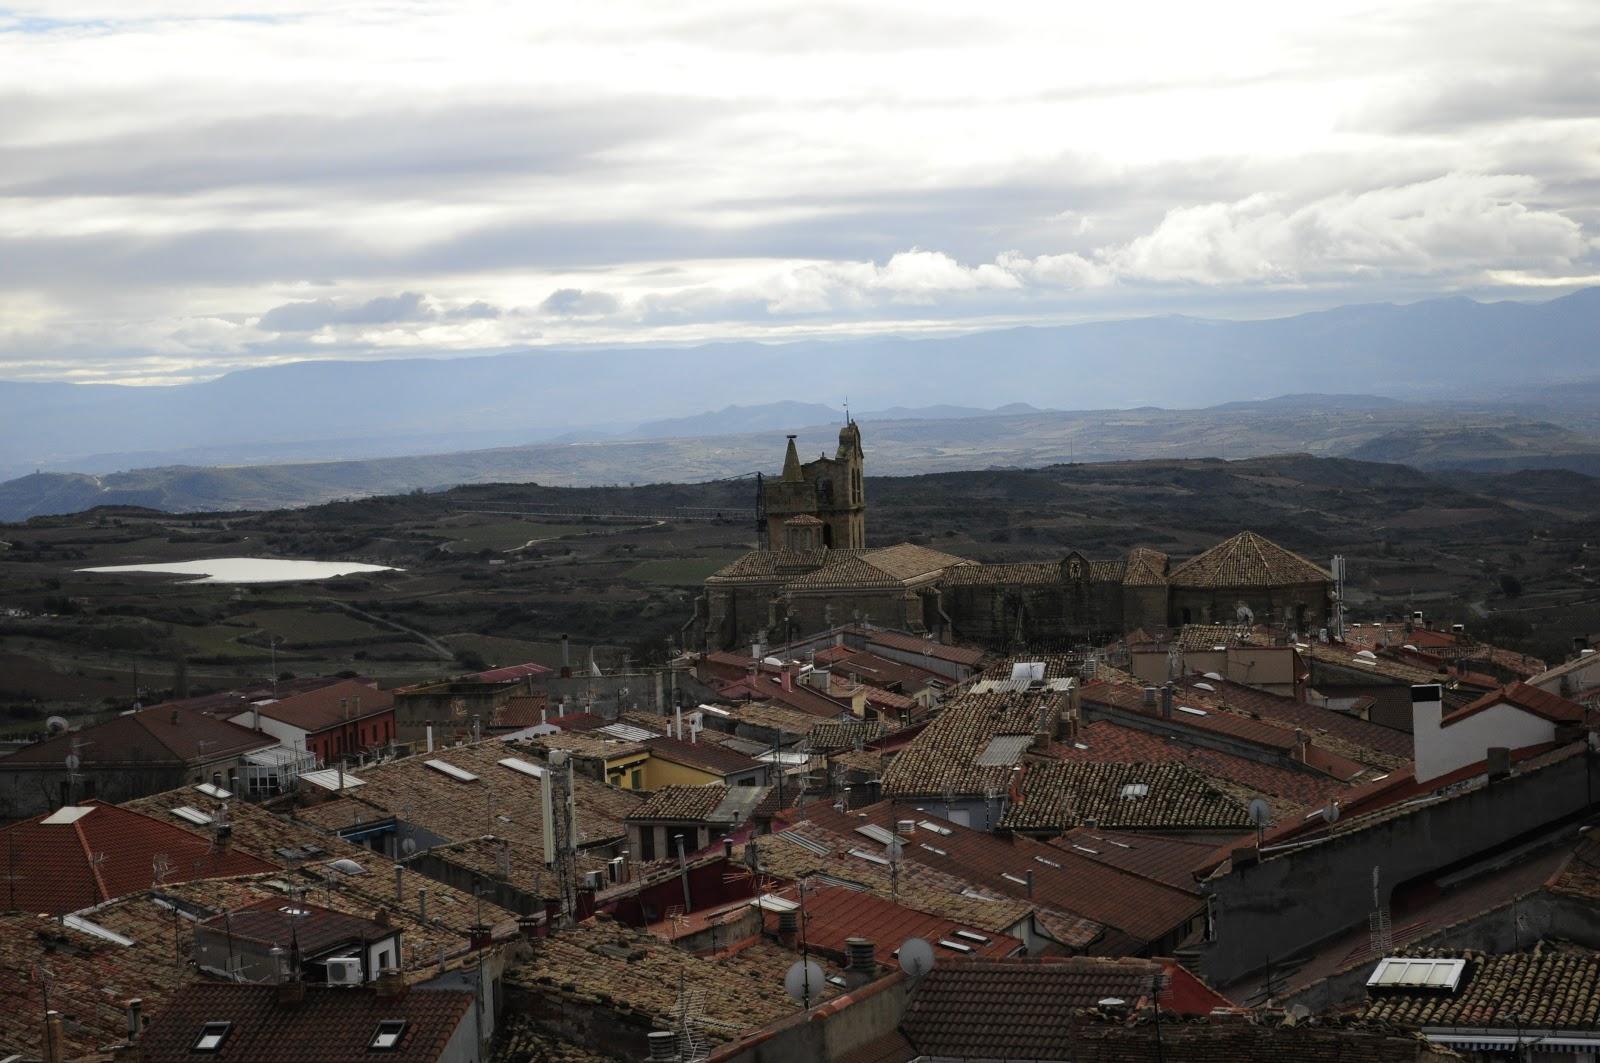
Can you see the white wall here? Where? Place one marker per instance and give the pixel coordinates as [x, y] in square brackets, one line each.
[1584, 676]
[1442, 750]
[287, 735]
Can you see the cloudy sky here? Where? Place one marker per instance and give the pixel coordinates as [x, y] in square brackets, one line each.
[192, 186]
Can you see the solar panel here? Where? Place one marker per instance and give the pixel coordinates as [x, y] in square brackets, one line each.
[881, 835]
[192, 815]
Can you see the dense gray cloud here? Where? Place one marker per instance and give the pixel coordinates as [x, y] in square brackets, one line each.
[186, 189]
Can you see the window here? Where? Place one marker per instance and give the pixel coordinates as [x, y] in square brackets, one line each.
[386, 1038]
[636, 779]
[212, 1034]
[647, 843]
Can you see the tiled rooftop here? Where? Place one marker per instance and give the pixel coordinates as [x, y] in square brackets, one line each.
[694, 803]
[84, 855]
[329, 706]
[828, 737]
[1057, 796]
[501, 801]
[601, 962]
[1549, 985]
[834, 913]
[1247, 560]
[330, 1025]
[707, 756]
[155, 736]
[942, 758]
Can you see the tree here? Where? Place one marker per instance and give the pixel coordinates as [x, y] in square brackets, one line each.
[1510, 586]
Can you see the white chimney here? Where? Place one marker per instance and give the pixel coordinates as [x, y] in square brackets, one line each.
[1427, 708]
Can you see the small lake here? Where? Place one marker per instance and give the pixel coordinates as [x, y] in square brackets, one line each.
[249, 569]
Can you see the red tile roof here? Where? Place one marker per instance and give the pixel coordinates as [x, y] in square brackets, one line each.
[330, 1025]
[1546, 706]
[329, 706]
[1140, 909]
[833, 913]
[708, 756]
[97, 852]
[1313, 719]
[151, 737]
[1160, 857]
[1131, 699]
[1024, 1008]
[1247, 560]
[509, 674]
[898, 640]
[1111, 742]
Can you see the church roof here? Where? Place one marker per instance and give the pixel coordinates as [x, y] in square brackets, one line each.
[803, 520]
[1247, 560]
[1146, 568]
[888, 566]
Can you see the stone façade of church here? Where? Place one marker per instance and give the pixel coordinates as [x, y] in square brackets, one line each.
[819, 573]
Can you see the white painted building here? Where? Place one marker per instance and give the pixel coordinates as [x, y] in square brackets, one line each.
[1513, 717]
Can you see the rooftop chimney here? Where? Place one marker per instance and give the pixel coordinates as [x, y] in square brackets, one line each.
[1166, 702]
[1427, 709]
[422, 904]
[399, 885]
[135, 1019]
[55, 1048]
[663, 1046]
[860, 961]
[390, 984]
[291, 991]
[1498, 762]
[788, 923]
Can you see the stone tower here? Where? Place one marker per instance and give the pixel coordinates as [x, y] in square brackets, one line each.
[832, 490]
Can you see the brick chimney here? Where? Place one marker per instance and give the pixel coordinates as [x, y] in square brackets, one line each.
[291, 992]
[390, 984]
[860, 962]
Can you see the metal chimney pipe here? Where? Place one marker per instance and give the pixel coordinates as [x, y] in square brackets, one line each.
[422, 904]
[430, 736]
[663, 1046]
[859, 955]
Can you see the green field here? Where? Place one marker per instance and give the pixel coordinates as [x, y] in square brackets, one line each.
[678, 572]
[507, 534]
[308, 626]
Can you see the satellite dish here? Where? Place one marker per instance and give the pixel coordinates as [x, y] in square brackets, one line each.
[1299, 1013]
[1260, 812]
[916, 957]
[56, 724]
[804, 981]
[73, 761]
[1330, 812]
[408, 846]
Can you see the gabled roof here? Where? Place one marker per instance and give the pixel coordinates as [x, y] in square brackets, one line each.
[713, 803]
[834, 913]
[707, 756]
[161, 735]
[1247, 560]
[332, 1024]
[83, 855]
[329, 706]
[1145, 568]
[1055, 797]
[1546, 706]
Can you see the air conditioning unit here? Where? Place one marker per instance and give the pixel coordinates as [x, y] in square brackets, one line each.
[344, 970]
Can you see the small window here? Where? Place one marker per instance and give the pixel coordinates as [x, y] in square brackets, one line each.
[212, 1034]
[386, 1038]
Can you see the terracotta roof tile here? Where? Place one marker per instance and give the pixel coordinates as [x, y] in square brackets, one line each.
[1055, 797]
[1550, 985]
[708, 756]
[330, 1025]
[1247, 560]
[151, 737]
[84, 855]
[329, 706]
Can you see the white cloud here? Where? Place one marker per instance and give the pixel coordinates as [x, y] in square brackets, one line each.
[1452, 223]
[713, 169]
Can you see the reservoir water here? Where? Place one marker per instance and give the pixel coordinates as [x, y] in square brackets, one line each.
[249, 569]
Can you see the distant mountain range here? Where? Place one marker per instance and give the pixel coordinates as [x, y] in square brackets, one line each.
[324, 410]
[1432, 436]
